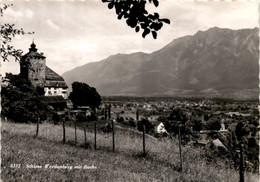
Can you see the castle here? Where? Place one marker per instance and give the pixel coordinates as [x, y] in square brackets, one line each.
[33, 68]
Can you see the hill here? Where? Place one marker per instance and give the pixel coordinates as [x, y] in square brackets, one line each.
[217, 62]
[126, 164]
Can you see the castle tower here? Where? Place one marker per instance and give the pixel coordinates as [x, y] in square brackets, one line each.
[33, 66]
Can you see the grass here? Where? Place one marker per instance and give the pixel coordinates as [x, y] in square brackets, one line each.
[19, 146]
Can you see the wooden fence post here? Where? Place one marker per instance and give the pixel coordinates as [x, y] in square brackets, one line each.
[241, 169]
[37, 129]
[137, 115]
[64, 132]
[144, 140]
[113, 135]
[109, 112]
[75, 132]
[105, 113]
[180, 147]
[85, 136]
[95, 142]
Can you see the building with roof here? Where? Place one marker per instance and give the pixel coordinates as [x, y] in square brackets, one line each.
[33, 68]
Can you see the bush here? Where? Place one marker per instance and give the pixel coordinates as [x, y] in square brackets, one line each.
[107, 128]
[149, 127]
[213, 125]
[80, 117]
[120, 119]
[56, 118]
[132, 122]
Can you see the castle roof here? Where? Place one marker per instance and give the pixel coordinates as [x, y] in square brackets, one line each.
[33, 52]
[52, 79]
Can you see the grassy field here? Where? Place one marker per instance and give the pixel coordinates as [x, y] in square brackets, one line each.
[19, 146]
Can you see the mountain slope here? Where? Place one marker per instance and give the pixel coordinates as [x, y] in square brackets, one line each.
[215, 60]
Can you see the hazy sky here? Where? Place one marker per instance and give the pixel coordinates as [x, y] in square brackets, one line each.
[74, 33]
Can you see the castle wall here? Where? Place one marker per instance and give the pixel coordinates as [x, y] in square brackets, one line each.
[36, 72]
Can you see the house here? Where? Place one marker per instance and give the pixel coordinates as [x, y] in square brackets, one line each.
[33, 68]
[161, 128]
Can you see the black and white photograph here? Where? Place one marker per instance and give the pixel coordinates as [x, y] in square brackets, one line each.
[133, 91]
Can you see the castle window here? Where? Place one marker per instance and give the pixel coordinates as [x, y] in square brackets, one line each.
[49, 93]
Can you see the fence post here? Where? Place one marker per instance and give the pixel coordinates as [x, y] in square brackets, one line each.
[144, 140]
[95, 142]
[85, 136]
[113, 135]
[105, 113]
[109, 111]
[64, 133]
[180, 147]
[37, 129]
[241, 169]
[75, 132]
[137, 115]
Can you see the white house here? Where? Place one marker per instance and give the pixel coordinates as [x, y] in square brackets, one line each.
[161, 128]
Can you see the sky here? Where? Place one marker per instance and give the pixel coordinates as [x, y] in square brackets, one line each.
[74, 33]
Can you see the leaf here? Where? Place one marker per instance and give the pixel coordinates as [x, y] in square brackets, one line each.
[120, 16]
[154, 34]
[137, 29]
[165, 20]
[156, 15]
[146, 31]
[110, 5]
[156, 3]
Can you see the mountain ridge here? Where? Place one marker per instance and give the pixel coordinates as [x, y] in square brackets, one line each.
[217, 59]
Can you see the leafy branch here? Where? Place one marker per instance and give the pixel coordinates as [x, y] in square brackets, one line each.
[8, 31]
[137, 16]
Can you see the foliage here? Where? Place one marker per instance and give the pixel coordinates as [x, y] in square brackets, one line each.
[173, 121]
[107, 128]
[213, 125]
[56, 118]
[8, 31]
[84, 95]
[149, 127]
[137, 16]
[241, 131]
[132, 122]
[21, 102]
[120, 119]
[197, 125]
[80, 117]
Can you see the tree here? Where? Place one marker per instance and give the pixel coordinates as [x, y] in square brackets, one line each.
[137, 16]
[8, 31]
[149, 127]
[197, 125]
[21, 102]
[84, 95]
[173, 121]
[213, 124]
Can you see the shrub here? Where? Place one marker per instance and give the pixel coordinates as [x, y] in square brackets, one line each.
[107, 128]
[132, 122]
[149, 127]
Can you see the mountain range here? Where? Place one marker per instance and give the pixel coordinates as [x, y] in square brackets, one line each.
[218, 62]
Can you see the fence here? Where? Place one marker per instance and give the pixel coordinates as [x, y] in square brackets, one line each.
[144, 153]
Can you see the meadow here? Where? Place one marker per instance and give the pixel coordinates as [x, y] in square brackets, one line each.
[20, 146]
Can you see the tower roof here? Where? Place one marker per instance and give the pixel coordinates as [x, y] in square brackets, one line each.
[33, 47]
[33, 52]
